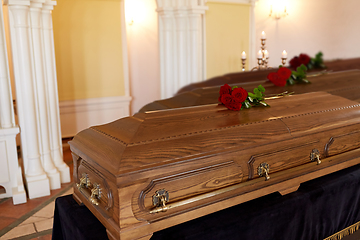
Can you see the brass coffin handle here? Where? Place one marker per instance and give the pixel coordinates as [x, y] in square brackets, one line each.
[160, 198]
[95, 194]
[315, 156]
[84, 182]
[263, 170]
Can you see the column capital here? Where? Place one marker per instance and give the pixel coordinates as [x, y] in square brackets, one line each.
[17, 2]
[37, 3]
[49, 5]
[171, 5]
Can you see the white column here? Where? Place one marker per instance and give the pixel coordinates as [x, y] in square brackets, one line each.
[52, 92]
[10, 172]
[36, 179]
[41, 103]
[167, 51]
[251, 61]
[182, 43]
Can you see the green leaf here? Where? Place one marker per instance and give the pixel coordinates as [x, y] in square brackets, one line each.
[258, 95]
[251, 95]
[234, 87]
[256, 91]
[294, 75]
[261, 88]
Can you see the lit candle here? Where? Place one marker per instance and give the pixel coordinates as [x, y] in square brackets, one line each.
[243, 55]
[259, 55]
[266, 54]
[263, 35]
[284, 54]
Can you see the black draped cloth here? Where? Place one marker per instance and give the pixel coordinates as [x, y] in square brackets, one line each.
[319, 208]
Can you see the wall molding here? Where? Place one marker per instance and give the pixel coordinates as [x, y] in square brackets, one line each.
[77, 115]
[231, 1]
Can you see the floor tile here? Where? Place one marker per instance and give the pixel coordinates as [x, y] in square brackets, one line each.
[33, 219]
[47, 211]
[8, 209]
[44, 225]
[70, 191]
[46, 237]
[6, 221]
[19, 231]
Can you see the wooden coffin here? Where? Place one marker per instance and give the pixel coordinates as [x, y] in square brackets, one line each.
[345, 84]
[241, 77]
[144, 173]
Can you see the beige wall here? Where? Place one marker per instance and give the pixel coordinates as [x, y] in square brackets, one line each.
[143, 48]
[330, 26]
[227, 35]
[88, 49]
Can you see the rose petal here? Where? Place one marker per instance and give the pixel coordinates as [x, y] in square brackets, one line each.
[284, 72]
[239, 94]
[225, 89]
[276, 79]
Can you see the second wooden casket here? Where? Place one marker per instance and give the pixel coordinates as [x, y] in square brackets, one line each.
[144, 173]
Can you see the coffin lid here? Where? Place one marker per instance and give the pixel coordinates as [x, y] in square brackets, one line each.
[156, 138]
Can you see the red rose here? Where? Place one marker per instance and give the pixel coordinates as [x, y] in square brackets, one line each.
[225, 99]
[226, 89]
[284, 73]
[233, 105]
[304, 59]
[295, 62]
[239, 94]
[276, 79]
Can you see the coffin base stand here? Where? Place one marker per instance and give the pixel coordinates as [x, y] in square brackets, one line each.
[345, 232]
[76, 221]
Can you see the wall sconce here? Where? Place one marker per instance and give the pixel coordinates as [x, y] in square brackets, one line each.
[135, 12]
[278, 9]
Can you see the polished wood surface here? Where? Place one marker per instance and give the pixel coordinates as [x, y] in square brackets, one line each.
[242, 77]
[207, 158]
[345, 84]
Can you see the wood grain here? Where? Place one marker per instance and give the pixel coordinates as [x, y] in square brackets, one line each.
[206, 157]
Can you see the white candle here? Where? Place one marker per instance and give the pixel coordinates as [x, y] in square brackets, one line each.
[263, 35]
[284, 54]
[243, 55]
[259, 55]
[266, 54]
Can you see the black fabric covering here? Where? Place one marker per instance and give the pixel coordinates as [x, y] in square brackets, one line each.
[319, 208]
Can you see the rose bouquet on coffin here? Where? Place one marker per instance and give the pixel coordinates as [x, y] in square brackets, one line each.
[236, 98]
[285, 76]
[310, 63]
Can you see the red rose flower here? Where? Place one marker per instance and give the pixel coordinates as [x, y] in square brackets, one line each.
[284, 73]
[239, 94]
[225, 99]
[295, 62]
[304, 59]
[226, 89]
[276, 79]
[233, 105]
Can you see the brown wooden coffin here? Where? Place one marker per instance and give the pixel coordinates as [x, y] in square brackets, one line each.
[345, 84]
[241, 77]
[157, 169]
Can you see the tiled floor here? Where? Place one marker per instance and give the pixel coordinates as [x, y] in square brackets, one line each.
[34, 219]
